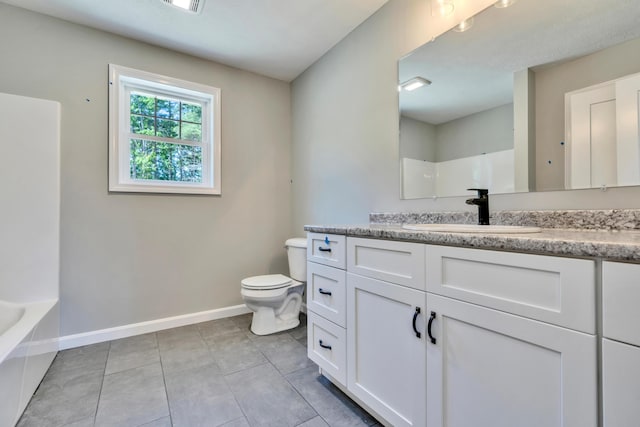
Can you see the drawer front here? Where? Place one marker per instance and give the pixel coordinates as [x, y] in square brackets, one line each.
[327, 346]
[620, 384]
[621, 301]
[327, 249]
[326, 292]
[396, 262]
[555, 290]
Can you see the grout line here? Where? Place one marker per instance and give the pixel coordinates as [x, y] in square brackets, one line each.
[164, 381]
[104, 373]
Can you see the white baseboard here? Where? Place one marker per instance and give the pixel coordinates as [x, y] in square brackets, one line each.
[101, 335]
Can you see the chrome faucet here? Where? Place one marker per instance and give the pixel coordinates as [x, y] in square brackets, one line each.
[482, 201]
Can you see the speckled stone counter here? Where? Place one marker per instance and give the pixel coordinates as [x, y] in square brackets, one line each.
[605, 219]
[610, 242]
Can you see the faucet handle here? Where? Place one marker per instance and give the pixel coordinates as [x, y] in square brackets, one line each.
[481, 191]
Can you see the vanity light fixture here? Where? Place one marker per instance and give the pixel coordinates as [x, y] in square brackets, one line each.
[464, 25]
[414, 83]
[194, 6]
[441, 7]
[504, 3]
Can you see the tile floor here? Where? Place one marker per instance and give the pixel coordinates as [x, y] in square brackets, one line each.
[210, 374]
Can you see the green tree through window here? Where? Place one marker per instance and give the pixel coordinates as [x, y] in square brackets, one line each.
[167, 118]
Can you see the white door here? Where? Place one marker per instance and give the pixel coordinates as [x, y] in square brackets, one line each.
[591, 138]
[386, 349]
[628, 129]
[490, 368]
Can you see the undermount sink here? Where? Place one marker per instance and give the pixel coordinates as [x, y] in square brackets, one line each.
[472, 228]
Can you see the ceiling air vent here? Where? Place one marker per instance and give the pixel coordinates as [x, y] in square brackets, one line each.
[194, 6]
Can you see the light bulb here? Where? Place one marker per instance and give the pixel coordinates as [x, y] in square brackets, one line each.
[504, 3]
[464, 25]
[441, 7]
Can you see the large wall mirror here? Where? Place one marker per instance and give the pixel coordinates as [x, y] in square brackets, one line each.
[543, 95]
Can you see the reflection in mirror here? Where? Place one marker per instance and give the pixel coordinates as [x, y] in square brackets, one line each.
[494, 114]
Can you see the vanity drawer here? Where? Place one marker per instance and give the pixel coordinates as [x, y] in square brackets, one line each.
[555, 290]
[327, 346]
[397, 262]
[327, 249]
[621, 302]
[326, 292]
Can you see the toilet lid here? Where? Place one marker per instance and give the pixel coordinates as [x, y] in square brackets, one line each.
[269, 281]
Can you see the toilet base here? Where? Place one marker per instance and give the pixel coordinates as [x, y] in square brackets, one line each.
[278, 314]
[265, 323]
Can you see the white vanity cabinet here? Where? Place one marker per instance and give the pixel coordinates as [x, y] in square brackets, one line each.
[500, 350]
[432, 336]
[385, 328]
[620, 344]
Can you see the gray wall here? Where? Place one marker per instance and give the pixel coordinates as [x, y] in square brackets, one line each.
[345, 130]
[417, 139]
[128, 258]
[484, 132]
[552, 83]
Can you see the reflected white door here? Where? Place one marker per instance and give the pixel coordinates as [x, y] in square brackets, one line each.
[591, 138]
[603, 134]
[628, 130]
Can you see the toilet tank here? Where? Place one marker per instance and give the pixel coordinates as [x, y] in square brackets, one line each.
[297, 253]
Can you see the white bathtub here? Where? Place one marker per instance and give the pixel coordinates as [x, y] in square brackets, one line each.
[28, 343]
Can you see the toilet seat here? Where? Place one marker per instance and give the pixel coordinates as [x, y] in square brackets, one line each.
[266, 282]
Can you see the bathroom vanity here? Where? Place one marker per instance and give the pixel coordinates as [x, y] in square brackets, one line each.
[433, 329]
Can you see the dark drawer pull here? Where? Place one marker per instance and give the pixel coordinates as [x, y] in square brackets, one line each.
[328, 347]
[431, 318]
[323, 292]
[321, 249]
[415, 317]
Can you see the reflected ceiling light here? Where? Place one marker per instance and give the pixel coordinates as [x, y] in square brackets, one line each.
[464, 25]
[194, 6]
[504, 3]
[414, 83]
[441, 7]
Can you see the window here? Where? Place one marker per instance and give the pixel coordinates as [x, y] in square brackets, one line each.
[164, 134]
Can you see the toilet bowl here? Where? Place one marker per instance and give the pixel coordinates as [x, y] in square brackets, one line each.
[275, 299]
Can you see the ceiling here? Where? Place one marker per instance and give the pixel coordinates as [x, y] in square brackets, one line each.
[275, 38]
[473, 71]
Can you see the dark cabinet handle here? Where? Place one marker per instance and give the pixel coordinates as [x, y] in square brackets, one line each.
[323, 292]
[415, 317]
[328, 347]
[431, 318]
[321, 249]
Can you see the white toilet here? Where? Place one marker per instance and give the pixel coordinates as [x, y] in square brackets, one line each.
[275, 299]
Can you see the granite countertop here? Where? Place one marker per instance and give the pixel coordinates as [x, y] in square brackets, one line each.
[618, 245]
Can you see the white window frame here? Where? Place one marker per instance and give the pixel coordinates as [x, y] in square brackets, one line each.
[122, 81]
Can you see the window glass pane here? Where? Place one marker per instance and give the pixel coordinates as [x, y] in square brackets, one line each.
[142, 125]
[168, 109]
[165, 161]
[191, 113]
[167, 128]
[142, 104]
[191, 132]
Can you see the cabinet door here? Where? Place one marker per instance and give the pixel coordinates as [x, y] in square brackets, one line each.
[386, 355]
[620, 384]
[490, 368]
